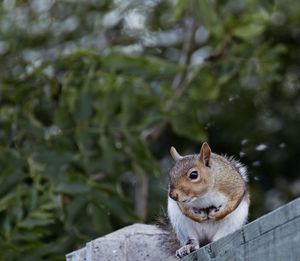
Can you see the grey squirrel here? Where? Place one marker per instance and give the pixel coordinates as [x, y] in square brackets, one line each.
[208, 198]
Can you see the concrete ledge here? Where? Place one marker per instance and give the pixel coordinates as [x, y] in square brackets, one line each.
[136, 242]
[275, 236]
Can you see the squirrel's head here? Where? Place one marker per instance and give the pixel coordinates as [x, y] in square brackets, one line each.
[190, 177]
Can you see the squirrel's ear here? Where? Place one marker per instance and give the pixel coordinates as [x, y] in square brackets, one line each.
[175, 155]
[205, 153]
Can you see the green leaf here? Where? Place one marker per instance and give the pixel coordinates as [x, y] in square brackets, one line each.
[72, 188]
[249, 31]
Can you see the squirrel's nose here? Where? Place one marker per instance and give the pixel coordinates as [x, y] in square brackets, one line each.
[173, 195]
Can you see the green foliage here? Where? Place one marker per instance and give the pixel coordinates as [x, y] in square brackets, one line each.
[90, 103]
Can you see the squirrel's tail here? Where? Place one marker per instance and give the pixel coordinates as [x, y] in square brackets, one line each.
[168, 241]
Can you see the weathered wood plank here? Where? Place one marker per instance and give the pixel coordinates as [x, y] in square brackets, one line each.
[275, 236]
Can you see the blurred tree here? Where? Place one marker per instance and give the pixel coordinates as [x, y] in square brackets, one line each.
[93, 94]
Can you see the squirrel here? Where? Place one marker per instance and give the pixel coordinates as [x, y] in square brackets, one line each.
[208, 198]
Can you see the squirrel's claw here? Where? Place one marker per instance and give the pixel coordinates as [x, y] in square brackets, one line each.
[185, 250]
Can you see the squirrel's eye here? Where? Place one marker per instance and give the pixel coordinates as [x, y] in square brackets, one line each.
[193, 175]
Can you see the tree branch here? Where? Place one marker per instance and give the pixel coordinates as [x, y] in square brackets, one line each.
[179, 83]
[141, 196]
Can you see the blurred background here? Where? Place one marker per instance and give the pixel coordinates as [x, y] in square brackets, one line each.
[94, 93]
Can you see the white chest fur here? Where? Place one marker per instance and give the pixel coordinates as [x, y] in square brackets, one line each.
[186, 228]
[215, 199]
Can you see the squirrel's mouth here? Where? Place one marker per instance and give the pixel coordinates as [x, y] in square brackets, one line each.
[188, 200]
[185, 201]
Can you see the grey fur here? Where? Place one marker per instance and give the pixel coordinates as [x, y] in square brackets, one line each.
[239, 167]
[169, 242]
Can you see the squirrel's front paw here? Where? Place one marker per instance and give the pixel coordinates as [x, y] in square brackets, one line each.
[200, 213]
[185, 250]
[213, 212]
